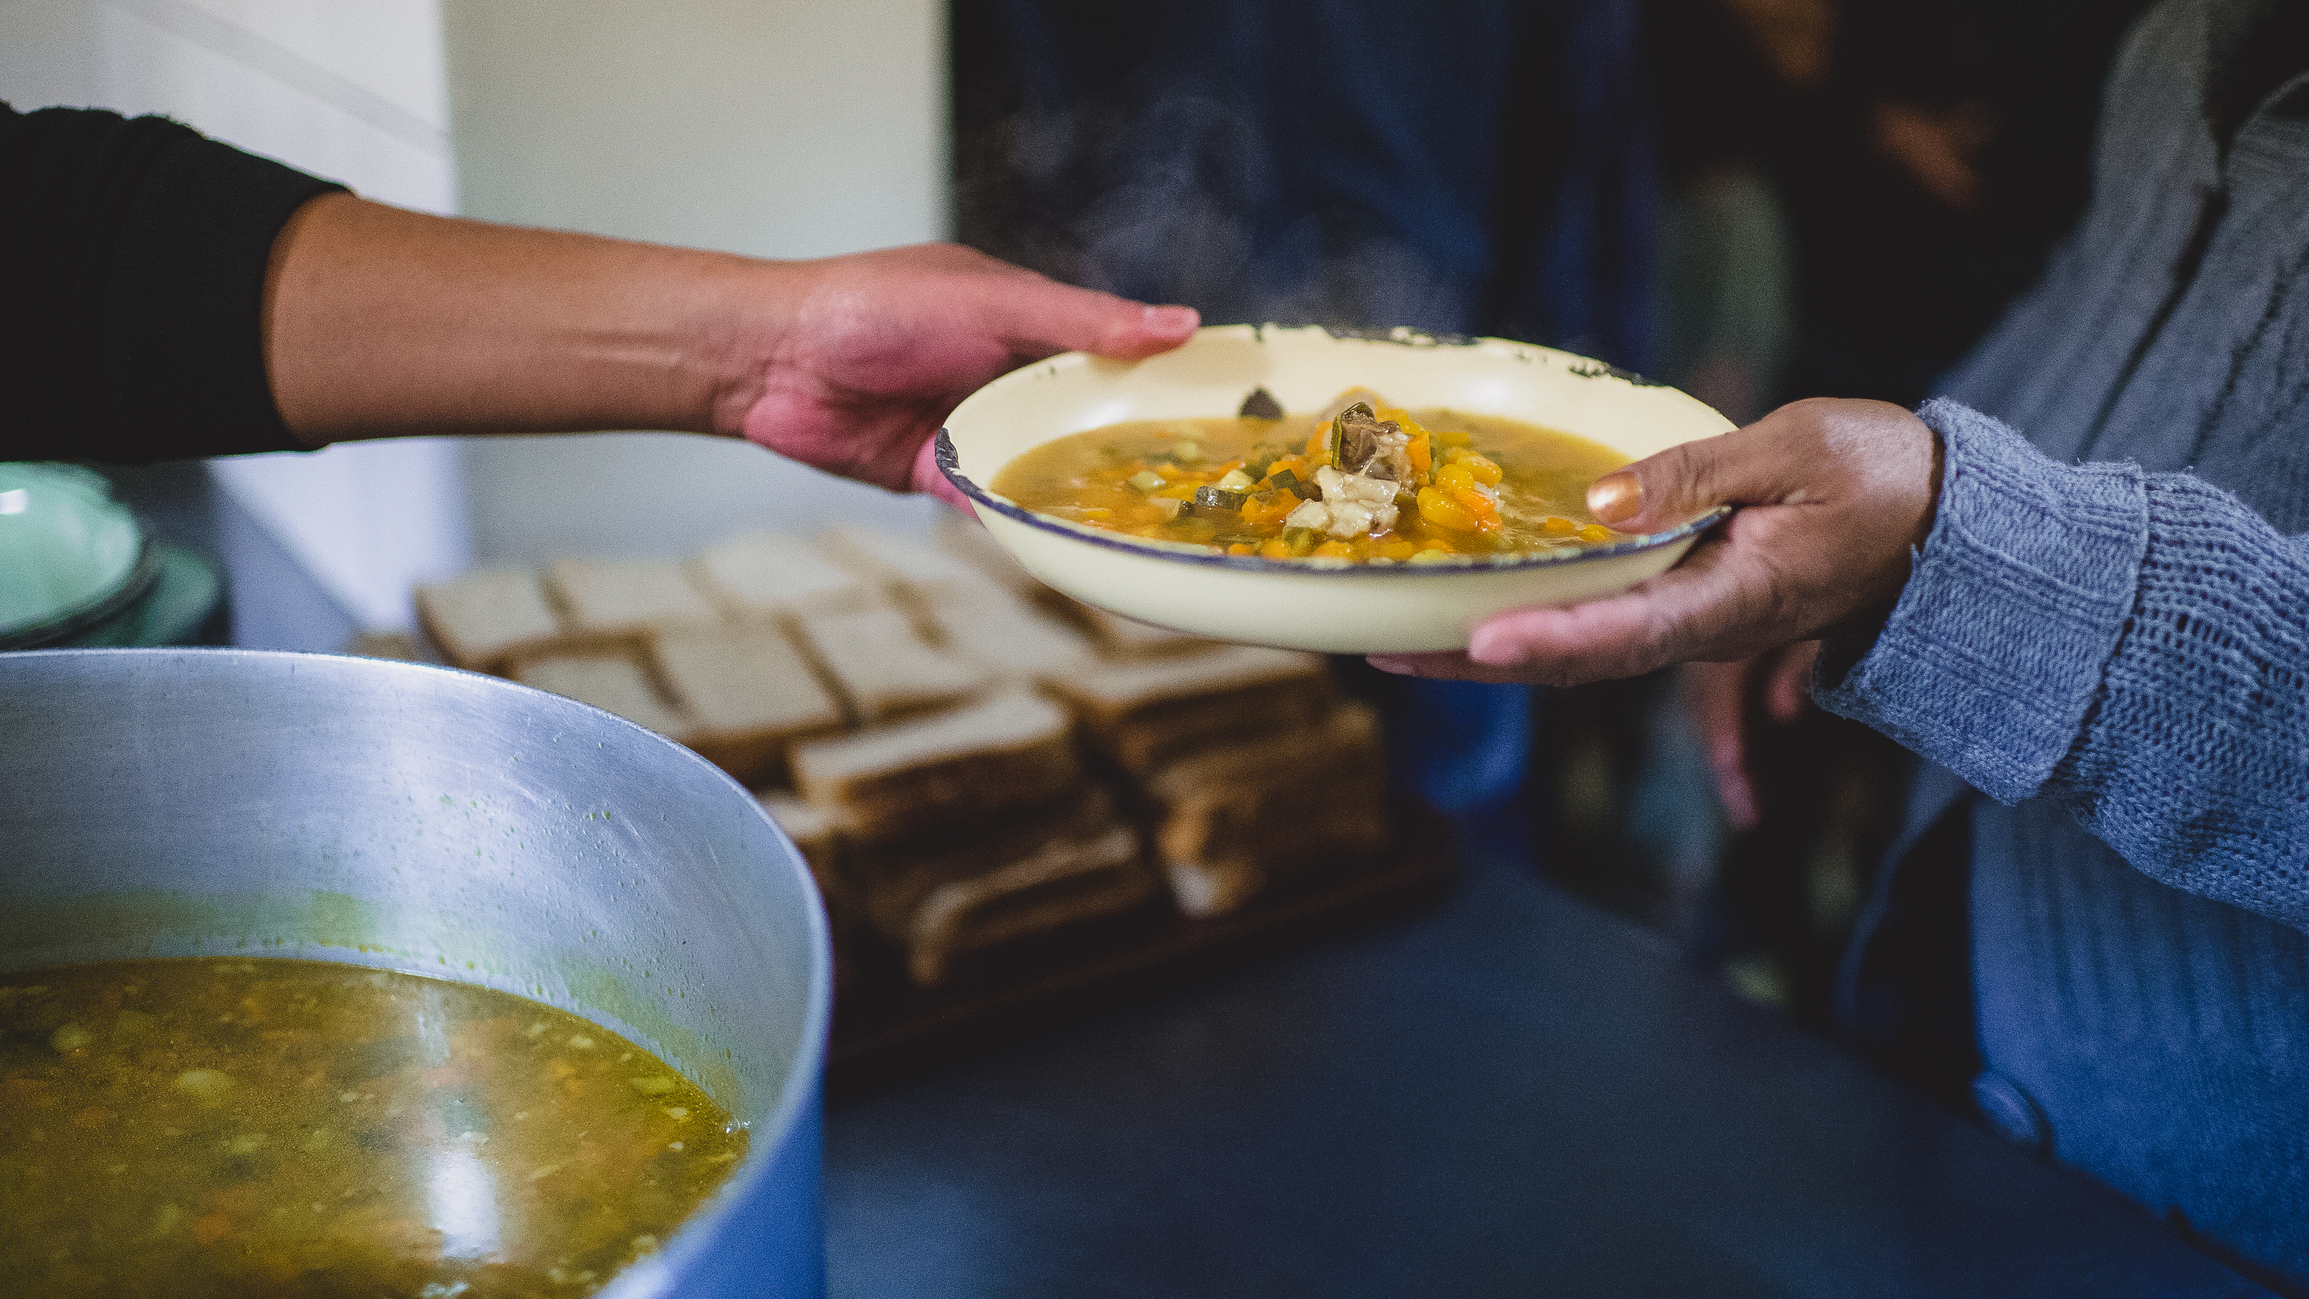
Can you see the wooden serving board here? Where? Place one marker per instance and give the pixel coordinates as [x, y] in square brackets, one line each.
[884, 1024]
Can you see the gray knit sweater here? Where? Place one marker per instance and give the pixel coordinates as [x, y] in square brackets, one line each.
[2108, 632]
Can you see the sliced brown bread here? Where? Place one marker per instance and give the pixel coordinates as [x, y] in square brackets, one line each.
[892, 877]
[626, 597]
[403, 646]
[1236, 820]
[1142, 712]
[1008, 637]
[1275, 825]
[907, 567]
[613, 681]
[481, 620]
[1128, 637]
[1343, 739]
[1223, 847]
[813, 831]
[883, 667]
[749, 693]
[1201, 890]
[1067, 883]
[1012, 749]
[765, 574]
[965, 538]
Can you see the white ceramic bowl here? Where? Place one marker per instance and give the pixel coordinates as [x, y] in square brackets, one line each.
[1330, 606]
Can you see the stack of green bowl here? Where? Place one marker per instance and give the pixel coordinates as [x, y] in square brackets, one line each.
[77, 569]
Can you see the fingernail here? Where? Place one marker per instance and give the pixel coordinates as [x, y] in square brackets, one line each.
[1616, 497]
[1495, 651]
[1171, 320]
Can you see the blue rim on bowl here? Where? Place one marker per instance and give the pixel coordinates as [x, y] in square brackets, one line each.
[949, 464]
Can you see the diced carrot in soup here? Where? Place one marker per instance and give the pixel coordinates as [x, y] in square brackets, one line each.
[1462, 484]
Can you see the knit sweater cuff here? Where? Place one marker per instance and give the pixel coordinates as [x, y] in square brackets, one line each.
[2014, 606]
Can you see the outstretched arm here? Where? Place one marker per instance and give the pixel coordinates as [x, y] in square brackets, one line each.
[170, 296]
[381, 322]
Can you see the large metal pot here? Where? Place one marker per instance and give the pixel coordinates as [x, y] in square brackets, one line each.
[187, 802]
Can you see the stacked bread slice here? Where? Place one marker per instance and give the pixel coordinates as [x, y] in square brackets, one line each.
[973, 829]
[749, 692]
[881, 663]
[765, 575]
[968, 761]
[817, 837]
[1238, 819]
[1144, 712]
[1249, 770]
[642, 639]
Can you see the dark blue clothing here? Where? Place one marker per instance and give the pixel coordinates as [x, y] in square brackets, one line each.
[1469, 166]
[2108, 632]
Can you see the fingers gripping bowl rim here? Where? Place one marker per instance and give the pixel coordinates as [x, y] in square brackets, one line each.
[1330, 606]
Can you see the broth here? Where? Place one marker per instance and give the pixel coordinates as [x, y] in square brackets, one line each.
[1141, 478]
[279, 1127]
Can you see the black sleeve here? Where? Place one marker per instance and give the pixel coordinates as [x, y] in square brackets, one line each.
[132, 271]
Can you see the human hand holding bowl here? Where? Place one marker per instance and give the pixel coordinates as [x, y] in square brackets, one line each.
[1834, 497]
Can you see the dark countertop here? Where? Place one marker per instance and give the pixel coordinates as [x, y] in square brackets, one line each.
[1507, 1092]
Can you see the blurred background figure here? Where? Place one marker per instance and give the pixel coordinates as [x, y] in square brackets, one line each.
[1818, 161]
[1926, 154]
[1476, 166]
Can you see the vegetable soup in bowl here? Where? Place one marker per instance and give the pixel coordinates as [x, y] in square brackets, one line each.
[1321, 490]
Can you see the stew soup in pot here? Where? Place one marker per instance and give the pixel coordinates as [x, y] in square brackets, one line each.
[279, 1127]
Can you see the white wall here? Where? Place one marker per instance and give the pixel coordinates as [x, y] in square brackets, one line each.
[779, 128]
[353, 91]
